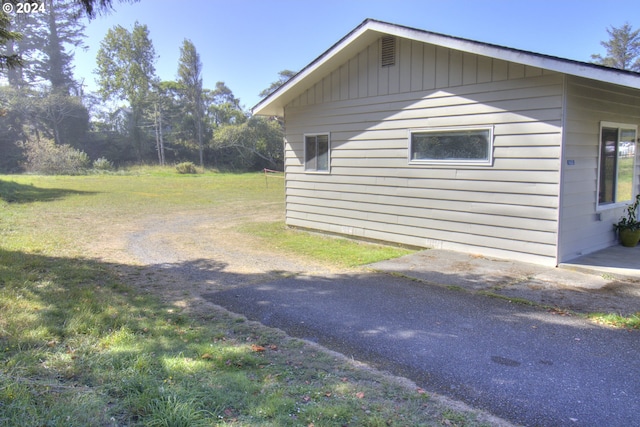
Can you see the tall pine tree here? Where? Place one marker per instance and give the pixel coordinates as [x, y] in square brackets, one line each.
[623, 49]
[190, 76]
[47, 46]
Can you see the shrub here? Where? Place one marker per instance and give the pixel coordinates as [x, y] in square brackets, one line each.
[45, 157]
[102, 164]
[186, 167]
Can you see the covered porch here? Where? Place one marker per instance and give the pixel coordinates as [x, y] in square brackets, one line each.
[615, 261]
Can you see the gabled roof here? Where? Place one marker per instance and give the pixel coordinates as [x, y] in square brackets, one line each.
[370, 30]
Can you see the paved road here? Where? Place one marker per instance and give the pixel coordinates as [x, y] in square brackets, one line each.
[520, 363]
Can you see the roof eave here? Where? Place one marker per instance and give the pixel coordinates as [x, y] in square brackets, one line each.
[274, 104]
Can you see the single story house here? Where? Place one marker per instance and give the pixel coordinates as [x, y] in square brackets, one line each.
[423, 139]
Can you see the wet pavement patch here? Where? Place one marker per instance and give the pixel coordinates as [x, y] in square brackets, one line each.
[505, 361]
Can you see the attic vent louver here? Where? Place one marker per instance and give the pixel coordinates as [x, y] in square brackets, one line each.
[387, 51]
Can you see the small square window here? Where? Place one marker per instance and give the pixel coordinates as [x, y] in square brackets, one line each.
[463, 146]
[316, 153]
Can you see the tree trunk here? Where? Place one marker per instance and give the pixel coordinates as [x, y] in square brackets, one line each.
[200, 145]
[162, 162]
[158, 128]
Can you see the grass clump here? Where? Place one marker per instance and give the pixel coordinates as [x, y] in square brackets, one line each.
[616, 320]
[186, 168]
[102, 165]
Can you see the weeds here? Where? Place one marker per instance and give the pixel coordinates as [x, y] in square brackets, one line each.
[186, 168]
[615, 320]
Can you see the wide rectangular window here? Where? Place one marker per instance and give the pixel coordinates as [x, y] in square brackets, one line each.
[316, 153]
[464, 146]
[616, 174]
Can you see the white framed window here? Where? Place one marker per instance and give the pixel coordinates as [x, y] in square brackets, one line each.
[617, 163]
[316, 152]
[451, 146]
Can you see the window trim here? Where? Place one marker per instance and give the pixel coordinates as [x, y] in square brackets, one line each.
[616, 204]
[304, 163]
[457, 162]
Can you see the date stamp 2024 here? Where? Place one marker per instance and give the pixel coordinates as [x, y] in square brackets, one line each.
[24, 7]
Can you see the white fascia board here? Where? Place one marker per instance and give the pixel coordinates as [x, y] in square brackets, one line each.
[565, 66]
[273, 105]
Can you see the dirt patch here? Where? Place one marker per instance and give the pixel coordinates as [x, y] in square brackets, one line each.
[181, 257]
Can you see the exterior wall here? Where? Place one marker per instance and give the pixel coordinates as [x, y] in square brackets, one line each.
[584, 228]
[508, 209]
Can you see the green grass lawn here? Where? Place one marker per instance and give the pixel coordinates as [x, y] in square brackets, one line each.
[79, 346]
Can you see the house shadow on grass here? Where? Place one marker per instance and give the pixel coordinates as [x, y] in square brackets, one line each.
[72, 328]
[427, 333]
[13, 192]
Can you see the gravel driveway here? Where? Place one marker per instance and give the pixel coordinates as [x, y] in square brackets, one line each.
[195, 252]
[183, 256]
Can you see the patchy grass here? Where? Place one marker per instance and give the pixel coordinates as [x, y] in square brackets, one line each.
[615, 320]
[80, 345]
[334, 250]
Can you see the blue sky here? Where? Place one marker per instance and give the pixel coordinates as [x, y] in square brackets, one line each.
[245, 43]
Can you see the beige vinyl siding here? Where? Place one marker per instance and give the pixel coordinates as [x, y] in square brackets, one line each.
[510, 207]
[584, 227]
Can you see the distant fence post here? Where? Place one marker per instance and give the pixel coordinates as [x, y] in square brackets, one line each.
[266, 175]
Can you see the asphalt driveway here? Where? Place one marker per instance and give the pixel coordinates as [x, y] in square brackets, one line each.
[524, 364]
[424, 319]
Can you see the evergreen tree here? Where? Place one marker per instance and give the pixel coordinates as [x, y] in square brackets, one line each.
[283, 77]
[190, 76]
[46, 46]
[623, 49]
[63, 28]
[21, 47]
[9, 59]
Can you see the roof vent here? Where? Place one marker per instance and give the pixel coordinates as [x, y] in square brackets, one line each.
[387, 51]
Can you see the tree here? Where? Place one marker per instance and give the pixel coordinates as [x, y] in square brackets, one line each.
[92, 8]
[126, 72]
[223, 95]
[10, 60]
[64, 117]
[165, 98]
[61, 28]
[46, 49]
[223, 107]
[190, 76]
[623, 49]
[15, 112]
[22, 47]
[30, 114]
[283, 77]
[253, 144]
